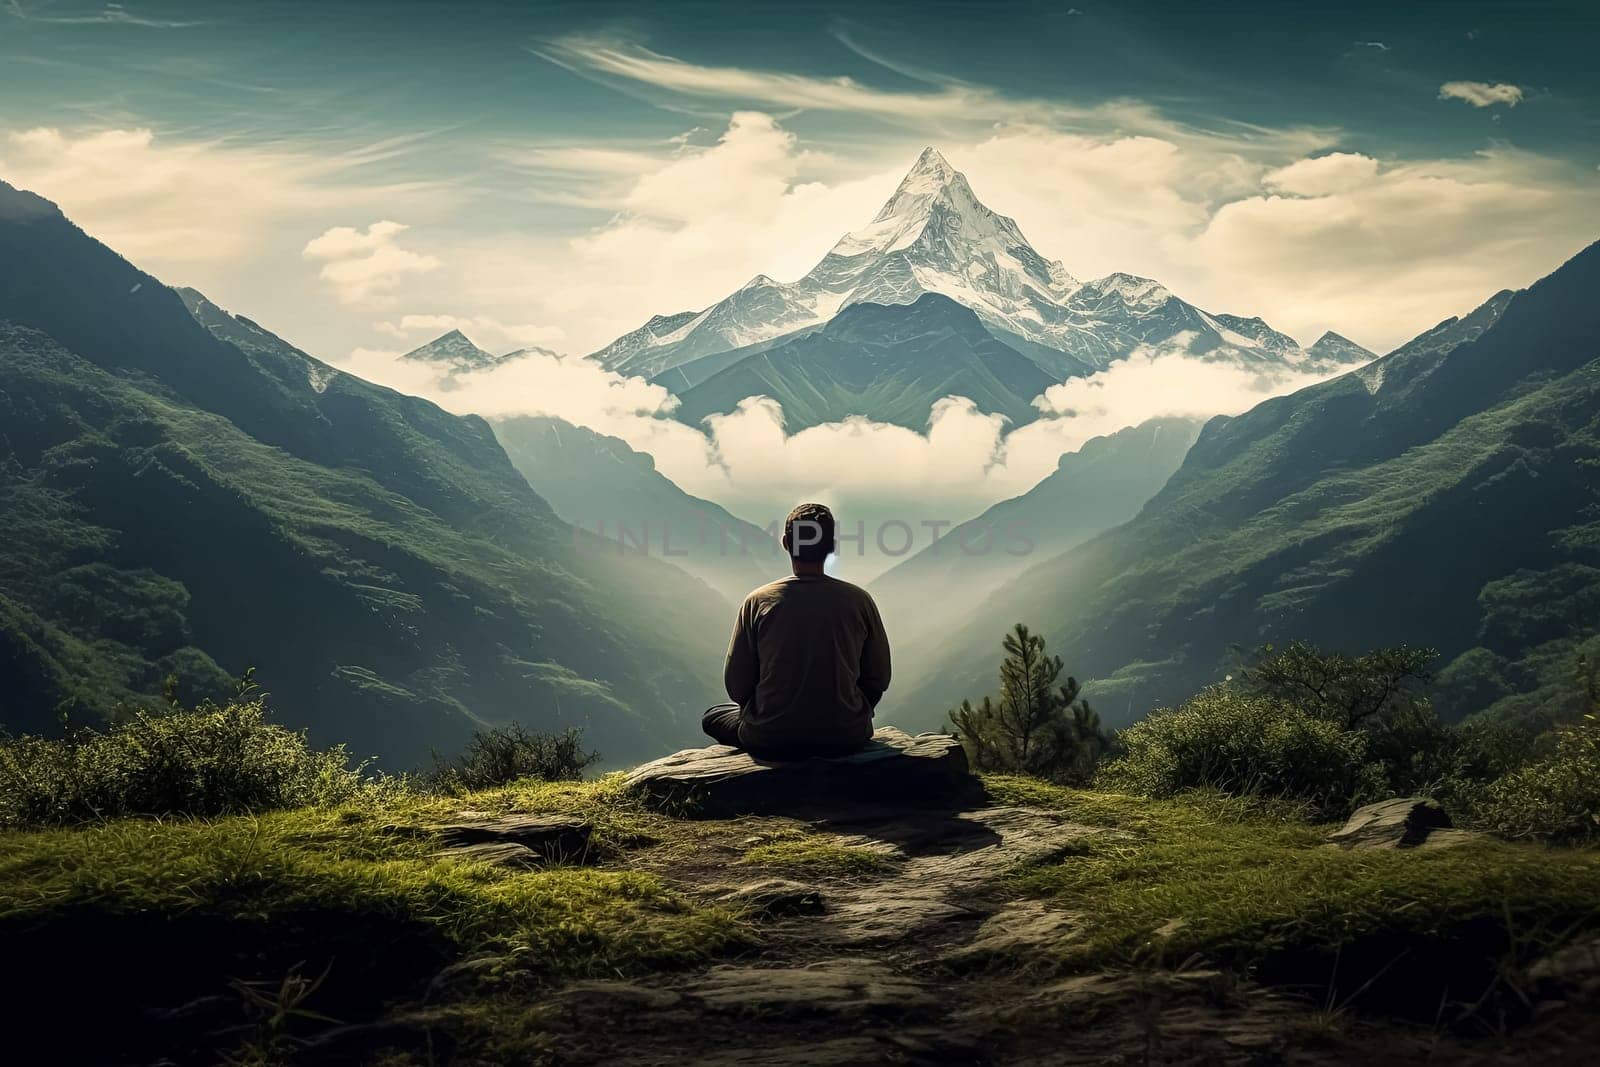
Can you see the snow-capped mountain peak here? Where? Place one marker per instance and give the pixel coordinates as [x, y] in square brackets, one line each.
[1132, 289]
[454, 351]
[453, 347]
[934, 235]
[932, 194]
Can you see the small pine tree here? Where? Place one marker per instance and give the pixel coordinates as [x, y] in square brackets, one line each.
[1036, 726]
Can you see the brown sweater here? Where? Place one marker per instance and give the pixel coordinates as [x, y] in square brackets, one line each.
[807, 664]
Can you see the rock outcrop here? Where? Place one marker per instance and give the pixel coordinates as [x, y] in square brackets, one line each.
[927, 770]
[511, 840]
[1403, 822]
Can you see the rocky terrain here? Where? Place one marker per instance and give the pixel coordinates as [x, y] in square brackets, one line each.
[890, 908]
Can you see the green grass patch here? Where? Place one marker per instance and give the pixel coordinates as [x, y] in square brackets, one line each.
[560, 920]
[1257, 888]
[162, 913]
[802, 852]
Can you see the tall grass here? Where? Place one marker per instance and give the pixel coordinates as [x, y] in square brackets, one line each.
[213, 760]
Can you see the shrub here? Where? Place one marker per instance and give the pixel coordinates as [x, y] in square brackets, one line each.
[502, 755]
[1556, 798]
[212, 760]
[1247, 745]
[1453, 764]
[1349, 690]
[1472, 682]
[1035, 727]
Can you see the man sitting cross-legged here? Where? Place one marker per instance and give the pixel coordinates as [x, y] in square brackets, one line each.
[809, 660]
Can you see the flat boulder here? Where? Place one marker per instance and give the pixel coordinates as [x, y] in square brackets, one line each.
[1403, 822]
[547, 838]
[894, 768]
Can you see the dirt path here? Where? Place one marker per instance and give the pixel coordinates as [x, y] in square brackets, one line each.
[931, 962]
[924, 955]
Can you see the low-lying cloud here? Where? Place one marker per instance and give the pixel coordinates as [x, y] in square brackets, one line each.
[963, 461]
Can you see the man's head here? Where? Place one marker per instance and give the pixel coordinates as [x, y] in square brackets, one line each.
[808, 533]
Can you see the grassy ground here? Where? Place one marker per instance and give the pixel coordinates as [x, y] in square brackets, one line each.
[331, 907]
[334, 910]
[1260, 890]
[799, 852]
[563, 920]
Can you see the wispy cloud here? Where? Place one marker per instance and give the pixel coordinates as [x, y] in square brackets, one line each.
[1482, 94]
[943, 105]
[183, 206]
[107, 15]
[635, 63]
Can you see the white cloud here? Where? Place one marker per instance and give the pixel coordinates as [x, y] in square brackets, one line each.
[1168, 381]
[1382, 257]
[1306, 238]
[688, 226]
[1482, 94]
[964, 461]
[634, 63]
[690, 223]
[943, 104]
[173, 205]
[365, 267]
[1101, 203]
[1336, 172]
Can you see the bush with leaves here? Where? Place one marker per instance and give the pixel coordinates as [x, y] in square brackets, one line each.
[1036, 726]
[1556, 798]
[1383, 695]
[1246, 745]
[211, 760]
[1352, 691]
[504, 754]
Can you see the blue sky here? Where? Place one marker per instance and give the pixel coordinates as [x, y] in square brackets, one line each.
[528, 150]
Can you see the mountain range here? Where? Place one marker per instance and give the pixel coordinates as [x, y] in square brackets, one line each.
[607, 489]
[1444, 495]
[189, 496]
[455, 353]
[933, 238]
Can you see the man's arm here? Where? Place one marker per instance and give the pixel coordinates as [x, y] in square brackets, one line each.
[874, 678]
[742, 669]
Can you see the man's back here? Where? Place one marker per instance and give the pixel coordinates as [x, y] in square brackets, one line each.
[807, 664]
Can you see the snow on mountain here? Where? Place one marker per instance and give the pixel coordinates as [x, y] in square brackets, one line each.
[660, 330]
[1333, 347]
[454, 351]
[935, 236]
[451, 349]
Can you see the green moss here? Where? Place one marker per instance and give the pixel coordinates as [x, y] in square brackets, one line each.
[801, 852]
[1249, 884]
[350, 861]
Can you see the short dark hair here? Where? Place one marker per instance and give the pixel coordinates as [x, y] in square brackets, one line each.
[808, 533]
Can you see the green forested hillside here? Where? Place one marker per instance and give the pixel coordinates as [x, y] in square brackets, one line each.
[1100, 485]
[1445, 495]
[887, 362]
[603, 487]
[193, 502]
